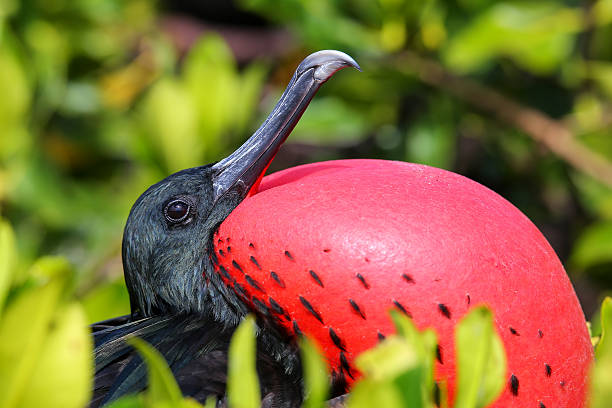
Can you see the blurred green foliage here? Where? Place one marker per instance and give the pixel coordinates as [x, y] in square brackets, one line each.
[98, 102]
[45, 345]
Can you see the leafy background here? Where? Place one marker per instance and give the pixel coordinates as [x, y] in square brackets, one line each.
[101, 98]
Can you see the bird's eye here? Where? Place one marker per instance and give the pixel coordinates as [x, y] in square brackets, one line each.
[176, 211]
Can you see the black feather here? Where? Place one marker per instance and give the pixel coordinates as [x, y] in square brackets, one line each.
[195, 348]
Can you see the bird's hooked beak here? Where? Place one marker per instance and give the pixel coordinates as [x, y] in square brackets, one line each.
[242, 171]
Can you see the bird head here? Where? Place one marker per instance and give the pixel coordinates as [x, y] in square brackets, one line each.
[167, 242]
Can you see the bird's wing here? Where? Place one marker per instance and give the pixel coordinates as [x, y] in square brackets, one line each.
[195, 348]
[180, 339]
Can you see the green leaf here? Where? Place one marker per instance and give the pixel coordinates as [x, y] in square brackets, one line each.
[63, 374]
[169, 117]
[367, 394]
[23, 331]
[388, 360]
[190, 403]
[7, 259]
[242, 382]
[247, 97]
[316, 382]
[605, 342]
[481, 360]
[601, 373]
[320, 24]
[53, 267]
[602, 12]
[211, 402]
[129, 401]
[330, 121]
[14, 84]
[432, 139]
[106, 301]
[394, 370]
[211, 79]
[537, 35]
[594, 196]
[162, 385]
[402, 365]
[140, 401]
[593, 246]
[423, 343]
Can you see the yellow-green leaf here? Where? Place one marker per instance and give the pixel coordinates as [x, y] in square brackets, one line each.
[162, 385]
[130, 401]
[536, 35]
[601, 373]
[592, 247]
[242, 382]
[170, 120]
[316, 380]
[211, 79]
[14, 84]
[23, 331]
[211, 402]
[481, 360]
[141, 401]
[249, 91]
[367, 394]
[396, 366]
[388, 360]
[106, 301]
[190, 403]
[62, 376]
[7, 259]
[605, 341]
[52, 267]
[423, 343]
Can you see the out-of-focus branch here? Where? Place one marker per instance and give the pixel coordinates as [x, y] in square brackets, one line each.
[540, 127]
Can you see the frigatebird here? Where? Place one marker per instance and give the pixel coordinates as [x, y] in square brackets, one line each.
[326, 249]
[179, 303]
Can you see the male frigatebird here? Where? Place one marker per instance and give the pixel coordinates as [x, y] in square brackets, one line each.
[326, 250]
[179, 302]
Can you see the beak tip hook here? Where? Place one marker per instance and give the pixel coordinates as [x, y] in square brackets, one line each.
[326, 63]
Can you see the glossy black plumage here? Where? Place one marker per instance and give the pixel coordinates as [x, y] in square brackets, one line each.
[198, 359]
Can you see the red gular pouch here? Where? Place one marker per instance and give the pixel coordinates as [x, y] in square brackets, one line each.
[327, 249]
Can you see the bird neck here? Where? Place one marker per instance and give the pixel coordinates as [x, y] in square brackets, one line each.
[218, 299]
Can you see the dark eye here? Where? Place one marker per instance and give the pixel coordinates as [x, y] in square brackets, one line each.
[176, 211]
